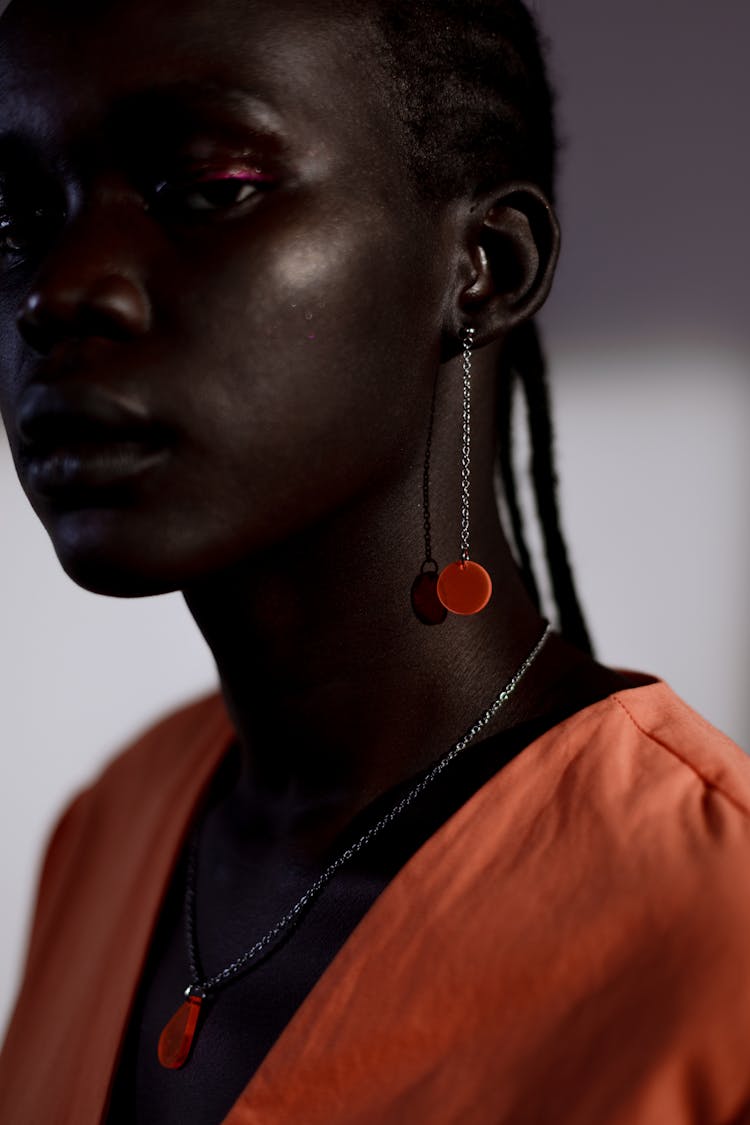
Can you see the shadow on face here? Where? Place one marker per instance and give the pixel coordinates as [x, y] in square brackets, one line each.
[214, 279]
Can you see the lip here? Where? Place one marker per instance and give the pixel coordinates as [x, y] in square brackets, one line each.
[76, 471]
[79, 438]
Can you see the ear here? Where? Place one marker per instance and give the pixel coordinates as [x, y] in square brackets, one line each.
[510, 250]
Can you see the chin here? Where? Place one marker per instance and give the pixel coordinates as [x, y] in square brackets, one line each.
[113, 577]
[99, 553]
[109, 552]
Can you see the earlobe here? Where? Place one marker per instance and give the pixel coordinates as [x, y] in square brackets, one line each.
[514, 251]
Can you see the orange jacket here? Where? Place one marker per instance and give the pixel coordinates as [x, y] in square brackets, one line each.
[571, 948]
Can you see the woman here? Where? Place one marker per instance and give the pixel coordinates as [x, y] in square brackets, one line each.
[269, 274]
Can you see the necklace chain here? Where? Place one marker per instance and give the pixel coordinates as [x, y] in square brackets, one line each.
[201, 987]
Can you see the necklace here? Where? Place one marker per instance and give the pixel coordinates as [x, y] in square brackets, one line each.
[176, 1040]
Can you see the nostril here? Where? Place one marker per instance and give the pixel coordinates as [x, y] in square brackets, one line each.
[121, 302]
[34, 324]
[112, 306]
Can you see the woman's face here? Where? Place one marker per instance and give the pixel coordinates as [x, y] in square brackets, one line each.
[215, 279]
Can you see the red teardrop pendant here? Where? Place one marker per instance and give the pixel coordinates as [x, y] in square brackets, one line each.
[177, 1037]
[464, 587]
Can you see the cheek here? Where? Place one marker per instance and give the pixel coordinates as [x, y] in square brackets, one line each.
[304, 340]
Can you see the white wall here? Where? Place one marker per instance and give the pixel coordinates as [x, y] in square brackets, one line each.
[655, 458]
[650, 341]
[649, 337]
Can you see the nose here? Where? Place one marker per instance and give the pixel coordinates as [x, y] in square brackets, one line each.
[90, 284]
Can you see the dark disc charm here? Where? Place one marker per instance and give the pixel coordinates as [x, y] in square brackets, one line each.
[425, 601]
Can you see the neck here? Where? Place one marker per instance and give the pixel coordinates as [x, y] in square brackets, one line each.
[336, 690]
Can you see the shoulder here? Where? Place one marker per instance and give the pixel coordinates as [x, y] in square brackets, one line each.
[654, 721]
[647, 743]
[628, 819]
[603, 883]
[659, 781]
[630, 822]
[664, 839]
[655, 805]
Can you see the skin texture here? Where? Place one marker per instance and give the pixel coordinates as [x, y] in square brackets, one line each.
[288, 347]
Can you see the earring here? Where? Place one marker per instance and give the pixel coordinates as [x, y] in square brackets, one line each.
[465, 587]
[425, 604]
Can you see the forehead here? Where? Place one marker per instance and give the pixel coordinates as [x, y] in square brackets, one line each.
[307, 66]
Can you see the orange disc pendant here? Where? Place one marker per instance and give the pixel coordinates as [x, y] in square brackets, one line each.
[464, 588]
[177, 1037]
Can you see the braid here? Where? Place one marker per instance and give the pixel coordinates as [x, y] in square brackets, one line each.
[527, 360]
[471, 89]
[506, 387]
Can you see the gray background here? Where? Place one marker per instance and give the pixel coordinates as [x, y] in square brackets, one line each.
[649, 342]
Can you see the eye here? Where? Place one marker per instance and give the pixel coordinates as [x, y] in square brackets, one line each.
[22, 233]
[211, 193]
[8, 243]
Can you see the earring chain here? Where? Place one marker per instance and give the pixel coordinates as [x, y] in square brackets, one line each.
[467, 337]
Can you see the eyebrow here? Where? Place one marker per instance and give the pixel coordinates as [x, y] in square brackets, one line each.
[175, 107]
[174, 96]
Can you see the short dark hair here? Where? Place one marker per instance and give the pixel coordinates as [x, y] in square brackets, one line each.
[472, 92]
